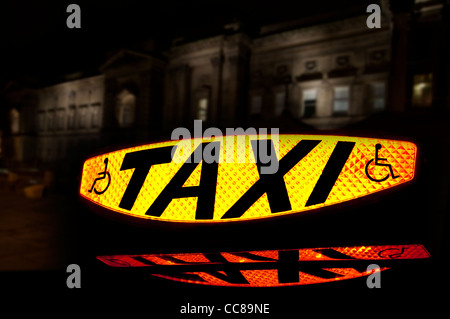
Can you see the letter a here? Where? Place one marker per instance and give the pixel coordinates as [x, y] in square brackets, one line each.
[74, 20]
[373, 20]
[74, 279]
[374, 279]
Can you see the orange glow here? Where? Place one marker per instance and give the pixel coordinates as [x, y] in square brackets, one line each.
[305, 181]
[264, 268]
[384, 252]
[269, 278]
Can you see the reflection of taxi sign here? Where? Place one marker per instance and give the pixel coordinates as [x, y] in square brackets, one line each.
[270, 268]
[161, 182]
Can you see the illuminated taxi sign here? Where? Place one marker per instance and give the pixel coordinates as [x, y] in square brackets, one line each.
[270, 268]
[163, 181]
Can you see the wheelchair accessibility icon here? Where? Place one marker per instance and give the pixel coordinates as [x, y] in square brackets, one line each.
[102, 176]
[377, 163]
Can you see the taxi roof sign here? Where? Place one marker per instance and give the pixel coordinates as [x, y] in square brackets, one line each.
[160, 182]
[269, 268]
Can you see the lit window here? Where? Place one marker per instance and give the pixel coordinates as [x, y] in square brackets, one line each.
[72, 97]
[422, 90]
[71, 113]
[309, 103]
[60, 119]
[41, 120]
[71, 117]
[127, 115]
[378, 96]
[95, 116]
[256, 104]
[125, 111]
[82, 119]
[14, 117]
[50, 120]
[279, 102]
[202, 109]
[341, 99]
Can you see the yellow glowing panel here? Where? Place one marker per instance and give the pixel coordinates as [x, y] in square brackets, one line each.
[150, 182]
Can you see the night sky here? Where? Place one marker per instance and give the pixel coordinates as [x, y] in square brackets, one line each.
[36, 43]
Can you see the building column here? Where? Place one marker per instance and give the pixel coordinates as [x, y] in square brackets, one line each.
[215, 106]
[235, 89]
[441, 65]
[399, 55]
[177, 94]
[109, 104]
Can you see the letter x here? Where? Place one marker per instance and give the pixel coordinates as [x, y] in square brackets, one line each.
[272, 184]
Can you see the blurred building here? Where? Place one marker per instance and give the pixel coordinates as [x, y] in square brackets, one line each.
[18, 107]
[69, 115]
[291, 75]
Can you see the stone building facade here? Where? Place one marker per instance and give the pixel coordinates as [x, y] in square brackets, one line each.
[69, 115]
[133, 93]
[18, 107]
[326, 76]
[291, 76]
[208, 80]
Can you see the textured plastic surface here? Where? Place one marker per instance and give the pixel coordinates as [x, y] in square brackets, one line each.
[278, 267]
[363, 170]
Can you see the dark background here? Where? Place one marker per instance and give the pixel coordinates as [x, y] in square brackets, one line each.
[38, 43]
[37, 46]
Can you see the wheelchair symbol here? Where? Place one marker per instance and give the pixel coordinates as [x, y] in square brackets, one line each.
[377, 163]
[392, 253]
[102, 176]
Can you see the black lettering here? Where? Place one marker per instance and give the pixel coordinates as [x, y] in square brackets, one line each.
[288, 266]
[272, 184]
[230, 275]
[144, 260]
[330, 173]
[173, 260]
[317, 271]
[205, 191]
[141, 161]
[253, 257]
[183, 276]
[331, 253]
